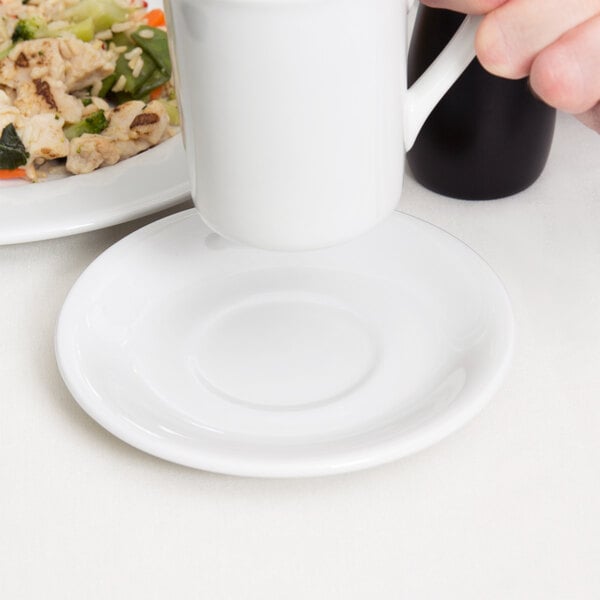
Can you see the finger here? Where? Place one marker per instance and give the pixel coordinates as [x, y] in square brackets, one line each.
[470, 7]
[565, 74]
[512, 35]
[591, 118]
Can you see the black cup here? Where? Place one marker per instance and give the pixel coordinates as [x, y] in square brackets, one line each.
[488, 137]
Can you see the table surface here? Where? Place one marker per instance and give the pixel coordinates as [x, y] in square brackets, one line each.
[507, 508]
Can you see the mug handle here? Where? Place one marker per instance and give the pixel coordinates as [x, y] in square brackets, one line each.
[428, 90]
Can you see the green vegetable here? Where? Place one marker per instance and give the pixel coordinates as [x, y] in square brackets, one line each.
[12, 150]
[172, 112]
[28, 29]
[107, 84]
[104, 13]
[157, 47]
[133, 84]
[6, 52]
[155, 72]
[86, 101]
[95, 123]
[155, 80]
[84, 30]
[118, 39]
[35, 28]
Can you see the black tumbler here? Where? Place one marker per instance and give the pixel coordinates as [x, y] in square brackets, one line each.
[488, 137]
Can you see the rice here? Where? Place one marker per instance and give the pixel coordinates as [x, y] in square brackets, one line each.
[120, 85]
[137, 69]
[100, 103]
[137, 51]
[117, 49]
[57, 25]
[104, 35]
[96, 87]
[128, 4]
[120, 27]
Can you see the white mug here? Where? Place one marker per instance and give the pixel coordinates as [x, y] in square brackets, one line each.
[296, 116]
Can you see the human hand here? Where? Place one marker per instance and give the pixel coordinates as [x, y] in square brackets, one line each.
[554, 42]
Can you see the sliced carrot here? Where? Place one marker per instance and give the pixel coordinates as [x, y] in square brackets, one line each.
[155, 18]
[12, 173]
[156, 93]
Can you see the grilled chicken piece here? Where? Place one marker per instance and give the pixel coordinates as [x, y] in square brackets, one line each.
[152, 124]
[8, 113]
[90, 151]
[43, 137]
[133, 128]
[78, 64]
[135, 121]
[85, 63]
[47, 96]
[121, 118]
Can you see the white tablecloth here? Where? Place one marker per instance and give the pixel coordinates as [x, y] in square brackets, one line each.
[508, 508]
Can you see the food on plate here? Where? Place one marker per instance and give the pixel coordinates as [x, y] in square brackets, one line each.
[83, 84]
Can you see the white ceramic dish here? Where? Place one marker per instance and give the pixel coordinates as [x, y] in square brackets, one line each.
[138, 186]
[141, 185]
[248, 362]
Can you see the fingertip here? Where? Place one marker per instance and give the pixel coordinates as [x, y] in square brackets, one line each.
[487, 6]
[558, 80]
[496, 51]
[470, 7]
[491, 47]
[591, 118]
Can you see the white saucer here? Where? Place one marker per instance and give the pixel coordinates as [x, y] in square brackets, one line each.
[247, 362]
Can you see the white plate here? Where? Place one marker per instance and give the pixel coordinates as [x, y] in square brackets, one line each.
[247, 362]
[138, 186]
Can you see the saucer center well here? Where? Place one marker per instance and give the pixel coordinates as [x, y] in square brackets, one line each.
[284, 353]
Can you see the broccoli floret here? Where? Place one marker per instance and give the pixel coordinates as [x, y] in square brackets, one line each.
[95, 123]
[28, 29]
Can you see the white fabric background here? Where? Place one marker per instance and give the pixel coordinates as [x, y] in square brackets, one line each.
[506, 509]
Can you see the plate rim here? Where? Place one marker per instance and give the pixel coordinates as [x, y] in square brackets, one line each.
[174, 193]
[381, 453]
